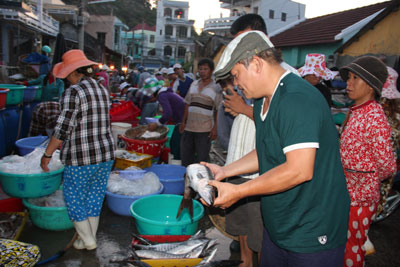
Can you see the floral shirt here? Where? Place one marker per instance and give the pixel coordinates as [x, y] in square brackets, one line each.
[366, 153]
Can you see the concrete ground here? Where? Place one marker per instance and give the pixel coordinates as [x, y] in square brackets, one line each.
[114, 238]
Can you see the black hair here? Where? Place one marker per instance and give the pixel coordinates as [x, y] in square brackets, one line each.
[206, 61]
[249, 21]
[86, 70]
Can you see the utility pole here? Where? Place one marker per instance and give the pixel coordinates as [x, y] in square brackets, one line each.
[81, 23]
[141, 56]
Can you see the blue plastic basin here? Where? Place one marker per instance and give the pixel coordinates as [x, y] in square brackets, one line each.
[120, 204]
[171, 176]
[156, 215]
[27, 145]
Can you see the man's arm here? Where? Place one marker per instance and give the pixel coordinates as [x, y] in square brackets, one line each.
[298, 168]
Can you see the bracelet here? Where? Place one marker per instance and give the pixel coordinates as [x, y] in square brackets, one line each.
[45, 155]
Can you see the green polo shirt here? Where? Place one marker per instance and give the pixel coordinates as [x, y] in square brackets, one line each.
[312, 216]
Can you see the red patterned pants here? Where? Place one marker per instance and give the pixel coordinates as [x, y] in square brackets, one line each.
[359, 222]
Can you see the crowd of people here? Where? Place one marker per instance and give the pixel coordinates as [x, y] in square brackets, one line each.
[296, 191]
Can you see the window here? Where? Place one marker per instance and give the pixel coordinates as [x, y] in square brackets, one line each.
[179, 14]
[255, 10]
[182, 32]
[151, 38]
[167, 51]
[152, 52]
[271, 14]
[181, 51]
[283, 18]
[101, 36]
[160, 32]
[168, 30]
[167, 12]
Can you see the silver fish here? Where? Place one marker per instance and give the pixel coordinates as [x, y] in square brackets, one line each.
[174, 247]
[196, 180]
[152, 254]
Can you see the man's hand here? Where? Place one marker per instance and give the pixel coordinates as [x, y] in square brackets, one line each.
[234, 104]
[213, 133]
[182, 127]
[218, 171]
[228, 194]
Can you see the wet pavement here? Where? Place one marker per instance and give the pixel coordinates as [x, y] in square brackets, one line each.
[114, 238]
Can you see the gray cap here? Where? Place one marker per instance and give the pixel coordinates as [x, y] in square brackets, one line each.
[243, 46]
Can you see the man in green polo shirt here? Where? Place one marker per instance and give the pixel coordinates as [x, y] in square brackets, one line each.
[305, 203]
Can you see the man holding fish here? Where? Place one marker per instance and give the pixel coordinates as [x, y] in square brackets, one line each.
[305, 202]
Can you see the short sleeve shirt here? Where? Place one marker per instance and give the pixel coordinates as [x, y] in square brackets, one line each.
[311, 216]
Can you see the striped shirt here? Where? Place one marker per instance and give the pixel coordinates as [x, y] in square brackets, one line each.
[84, 124]
[202, 105]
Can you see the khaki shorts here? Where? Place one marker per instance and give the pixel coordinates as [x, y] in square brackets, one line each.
[244, 218]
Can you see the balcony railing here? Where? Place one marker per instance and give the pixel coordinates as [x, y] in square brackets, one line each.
[31, 19]
[219, 23]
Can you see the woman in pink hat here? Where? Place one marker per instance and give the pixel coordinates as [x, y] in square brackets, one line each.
[83, 128]
[315, 72]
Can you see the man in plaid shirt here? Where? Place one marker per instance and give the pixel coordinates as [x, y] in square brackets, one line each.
[44, 118]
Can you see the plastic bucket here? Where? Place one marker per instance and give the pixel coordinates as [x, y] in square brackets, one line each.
[3, 97]
[120, 204]
[27, 145]
[10, 117]
[151, 147]
[2, 137]
[49, 218]
[38, 94]
[30, 93]
[16, 94]
[156, 215]
[119, 128]
[171, 176]
[31, 185]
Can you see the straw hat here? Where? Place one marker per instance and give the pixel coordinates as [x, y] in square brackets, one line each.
[389, 89]
[316, 64]
[71, 60]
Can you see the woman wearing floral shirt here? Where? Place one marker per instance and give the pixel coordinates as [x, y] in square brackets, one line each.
[366, 150]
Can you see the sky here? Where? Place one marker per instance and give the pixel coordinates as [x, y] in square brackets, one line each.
[200, 10]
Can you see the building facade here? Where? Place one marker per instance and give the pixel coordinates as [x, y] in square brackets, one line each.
[276, 13]
[173, 31]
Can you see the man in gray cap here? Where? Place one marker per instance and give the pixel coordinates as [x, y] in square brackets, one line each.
[305, 202]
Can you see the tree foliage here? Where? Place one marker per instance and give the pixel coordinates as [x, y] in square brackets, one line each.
[130, 12]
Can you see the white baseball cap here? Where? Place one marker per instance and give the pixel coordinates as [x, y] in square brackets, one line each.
[177, 66]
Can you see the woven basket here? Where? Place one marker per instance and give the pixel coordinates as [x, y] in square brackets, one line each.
[137, 132]
[217, 217]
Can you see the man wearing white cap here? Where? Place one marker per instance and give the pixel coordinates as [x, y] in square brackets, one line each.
[296, 155]
[183, 82]
[172, 78]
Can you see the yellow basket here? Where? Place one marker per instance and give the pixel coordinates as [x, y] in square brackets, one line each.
[173, 262]
[122, 164]
[20, 227]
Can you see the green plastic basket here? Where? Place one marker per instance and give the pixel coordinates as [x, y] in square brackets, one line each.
[49, 218]
[156, 215]
[31, 185]
[16, 94]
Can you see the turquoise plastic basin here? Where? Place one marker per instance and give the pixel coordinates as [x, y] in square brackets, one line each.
[49, 218]
[31, 185]
[156, 215]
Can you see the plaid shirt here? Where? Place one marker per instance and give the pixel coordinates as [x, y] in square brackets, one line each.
[84, 124]
[44, 116]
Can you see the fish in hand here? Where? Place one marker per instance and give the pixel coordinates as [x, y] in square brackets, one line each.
[196, 180]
